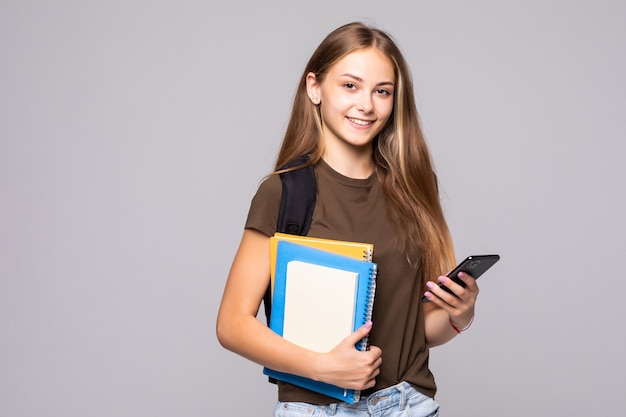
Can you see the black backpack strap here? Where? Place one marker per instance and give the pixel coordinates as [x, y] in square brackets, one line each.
[298, 198]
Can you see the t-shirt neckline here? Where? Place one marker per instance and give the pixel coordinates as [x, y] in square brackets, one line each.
[342, 179]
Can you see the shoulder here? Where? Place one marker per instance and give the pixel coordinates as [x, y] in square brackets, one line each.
[263, 213]
[271, 186]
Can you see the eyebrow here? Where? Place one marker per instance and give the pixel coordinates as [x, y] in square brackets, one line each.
[357, 78]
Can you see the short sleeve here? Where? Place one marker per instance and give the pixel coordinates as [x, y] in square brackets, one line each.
[263, 213]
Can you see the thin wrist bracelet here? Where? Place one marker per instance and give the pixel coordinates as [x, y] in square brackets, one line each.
[456, 329]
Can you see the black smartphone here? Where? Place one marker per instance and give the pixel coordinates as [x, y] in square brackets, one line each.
[474, 265]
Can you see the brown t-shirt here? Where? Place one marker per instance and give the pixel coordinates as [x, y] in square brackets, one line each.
[355, 210]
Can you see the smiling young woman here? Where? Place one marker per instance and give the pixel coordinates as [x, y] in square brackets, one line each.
[354, 116]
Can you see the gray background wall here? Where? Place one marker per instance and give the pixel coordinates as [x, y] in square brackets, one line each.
[134, 133]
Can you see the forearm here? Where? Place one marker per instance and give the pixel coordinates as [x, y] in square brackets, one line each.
[252, 339]
[438, 328]
[344, 366]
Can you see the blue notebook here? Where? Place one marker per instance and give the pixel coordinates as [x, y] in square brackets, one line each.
[319, 298]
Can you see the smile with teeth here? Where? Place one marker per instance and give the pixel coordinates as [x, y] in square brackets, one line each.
[360, 122]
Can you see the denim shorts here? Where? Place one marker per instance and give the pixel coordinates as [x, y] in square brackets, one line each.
[400, 400]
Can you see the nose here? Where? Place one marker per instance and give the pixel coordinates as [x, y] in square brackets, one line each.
[365, 103]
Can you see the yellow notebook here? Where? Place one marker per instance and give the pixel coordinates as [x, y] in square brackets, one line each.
[357, 250]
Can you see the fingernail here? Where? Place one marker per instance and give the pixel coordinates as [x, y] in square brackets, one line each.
[428, 294]
[430, 284]
[368, 324]
[442, 279]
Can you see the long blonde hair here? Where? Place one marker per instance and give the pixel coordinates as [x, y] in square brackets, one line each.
[400, 152]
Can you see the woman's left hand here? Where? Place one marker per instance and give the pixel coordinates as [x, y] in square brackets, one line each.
[460, 304]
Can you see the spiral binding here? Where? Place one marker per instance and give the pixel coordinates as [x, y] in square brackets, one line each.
[363, 344]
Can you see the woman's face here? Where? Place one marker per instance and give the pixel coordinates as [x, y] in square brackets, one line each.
[356, 98]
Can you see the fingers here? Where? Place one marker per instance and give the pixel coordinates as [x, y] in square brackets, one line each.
[441, 294]
[452, 294]
[469, 281]
[371, 366]
[346, 366]
[359, 369]
[373, 357]
[358, 334]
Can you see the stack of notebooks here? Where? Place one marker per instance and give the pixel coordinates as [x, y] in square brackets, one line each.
[322, 290]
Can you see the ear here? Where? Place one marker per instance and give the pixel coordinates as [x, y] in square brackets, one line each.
[313, 88]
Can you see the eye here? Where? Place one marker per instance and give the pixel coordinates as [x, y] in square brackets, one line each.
[350, 86]
[383, 92]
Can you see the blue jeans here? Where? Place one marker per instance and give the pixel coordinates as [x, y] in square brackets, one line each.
[401, 400]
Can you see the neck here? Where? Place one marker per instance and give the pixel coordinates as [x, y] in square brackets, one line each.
[352, 163]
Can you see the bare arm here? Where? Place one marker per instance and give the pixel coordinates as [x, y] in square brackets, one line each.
[446, 308]
[240, 331]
